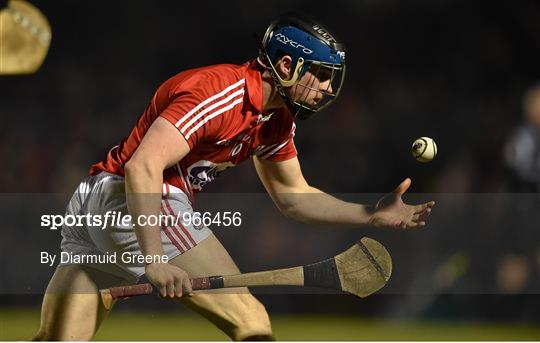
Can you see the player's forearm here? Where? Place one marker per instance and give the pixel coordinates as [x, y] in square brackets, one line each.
[143, 195]
[317, 207]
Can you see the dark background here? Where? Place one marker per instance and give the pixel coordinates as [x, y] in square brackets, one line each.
[452, 70]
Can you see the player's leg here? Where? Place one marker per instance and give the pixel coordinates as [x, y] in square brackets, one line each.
[235, 311]
[72, 308]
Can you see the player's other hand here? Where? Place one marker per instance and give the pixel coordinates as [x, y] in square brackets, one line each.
[171, 281]
[391, 211]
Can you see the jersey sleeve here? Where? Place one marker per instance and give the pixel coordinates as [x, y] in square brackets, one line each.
[282, 150]
[197, 107]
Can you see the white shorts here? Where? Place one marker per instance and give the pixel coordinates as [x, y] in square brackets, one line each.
[105, 192]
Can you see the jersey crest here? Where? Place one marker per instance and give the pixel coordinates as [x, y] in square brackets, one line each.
[203, 172]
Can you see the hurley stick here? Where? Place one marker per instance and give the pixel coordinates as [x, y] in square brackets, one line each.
[361, 270]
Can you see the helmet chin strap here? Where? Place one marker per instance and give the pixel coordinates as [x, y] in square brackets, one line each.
[294, 77]
[281, 84]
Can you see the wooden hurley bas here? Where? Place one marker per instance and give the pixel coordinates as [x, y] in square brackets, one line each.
[361, 270]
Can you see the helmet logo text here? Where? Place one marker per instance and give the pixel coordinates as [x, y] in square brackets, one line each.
[286, 40]
[323, 33]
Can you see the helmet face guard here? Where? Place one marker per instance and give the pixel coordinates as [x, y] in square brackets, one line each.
[319, 72]
[315, 53]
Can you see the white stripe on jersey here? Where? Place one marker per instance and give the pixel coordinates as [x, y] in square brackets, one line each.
[212, 98]
[264, 150]
[213, 115]
[276, 149]
[210, 108]
[270, 154]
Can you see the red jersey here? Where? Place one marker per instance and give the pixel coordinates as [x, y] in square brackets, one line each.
[218, 110]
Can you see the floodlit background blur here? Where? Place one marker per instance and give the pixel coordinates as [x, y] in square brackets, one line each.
[462, 73]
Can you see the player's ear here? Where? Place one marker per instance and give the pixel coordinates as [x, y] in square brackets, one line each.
[284, 67]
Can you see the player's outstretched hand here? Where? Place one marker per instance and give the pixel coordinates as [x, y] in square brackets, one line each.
[391, 211]
[171, 281]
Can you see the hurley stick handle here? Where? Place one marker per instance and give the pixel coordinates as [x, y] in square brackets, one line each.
[197, 284]
[287, 276]
[129, 291]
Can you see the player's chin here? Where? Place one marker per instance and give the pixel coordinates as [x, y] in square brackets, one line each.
[314, 103]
